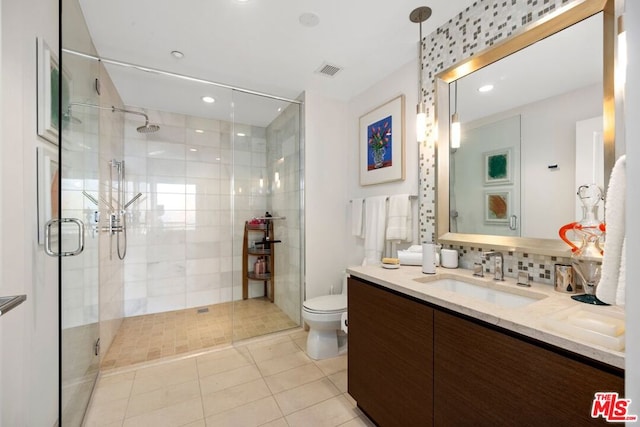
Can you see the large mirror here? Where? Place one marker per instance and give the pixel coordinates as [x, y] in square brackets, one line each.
[545, 128]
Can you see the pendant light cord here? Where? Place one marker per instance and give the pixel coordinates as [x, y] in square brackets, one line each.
[420, 70]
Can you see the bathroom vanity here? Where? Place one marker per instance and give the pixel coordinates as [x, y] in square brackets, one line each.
[421, 354]
[451, 349]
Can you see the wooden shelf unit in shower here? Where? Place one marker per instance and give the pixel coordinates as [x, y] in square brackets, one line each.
[252, 250]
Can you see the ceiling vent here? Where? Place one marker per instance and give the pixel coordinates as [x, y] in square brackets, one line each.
[328, 70]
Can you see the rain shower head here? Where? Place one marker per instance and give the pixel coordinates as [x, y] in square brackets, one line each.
[148, 128]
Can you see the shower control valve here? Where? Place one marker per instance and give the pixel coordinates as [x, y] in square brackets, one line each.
[114, 224]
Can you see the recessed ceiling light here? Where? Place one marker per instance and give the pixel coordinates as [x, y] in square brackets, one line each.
[309, 19]
[199, 131]
[485, 88]
[279, 109]
[177, 54]
[208, 99]
[240, 134]
[193, 149]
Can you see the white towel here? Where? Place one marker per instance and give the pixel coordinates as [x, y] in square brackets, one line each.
[375, 209]
[356, 217]
[612, 281]
[620, 292]
[399, 218]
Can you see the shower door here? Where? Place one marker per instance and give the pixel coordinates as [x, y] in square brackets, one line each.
[267, 178]
[78, 184]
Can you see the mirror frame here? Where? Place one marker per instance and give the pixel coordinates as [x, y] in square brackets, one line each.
[555, 22]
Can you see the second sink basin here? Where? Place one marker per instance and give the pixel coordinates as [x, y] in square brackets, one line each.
[494, 296]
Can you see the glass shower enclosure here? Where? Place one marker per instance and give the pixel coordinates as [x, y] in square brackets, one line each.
[194, 183]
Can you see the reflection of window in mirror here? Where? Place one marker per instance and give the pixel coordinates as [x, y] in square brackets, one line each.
[546, 108]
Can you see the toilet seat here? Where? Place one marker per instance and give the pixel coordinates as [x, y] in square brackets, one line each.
[326, 304]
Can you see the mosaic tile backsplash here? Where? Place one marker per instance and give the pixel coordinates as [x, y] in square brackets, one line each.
[540, 268]
[476, 28]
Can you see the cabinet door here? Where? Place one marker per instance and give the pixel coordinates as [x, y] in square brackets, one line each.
[485, 377]
[390, 356]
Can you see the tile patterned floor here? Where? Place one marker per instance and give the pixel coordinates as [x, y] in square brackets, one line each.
[154, 336]
[266, 381]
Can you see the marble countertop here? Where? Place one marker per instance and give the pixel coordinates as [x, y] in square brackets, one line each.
[530, 320]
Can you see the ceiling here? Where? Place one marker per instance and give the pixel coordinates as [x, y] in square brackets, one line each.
[259, 45]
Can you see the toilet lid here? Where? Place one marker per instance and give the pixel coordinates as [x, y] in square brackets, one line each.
[326, 303]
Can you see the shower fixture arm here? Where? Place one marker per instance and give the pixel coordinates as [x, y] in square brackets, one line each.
[90, 197]
[122, 110]
[107, 203]
[136, 197]
[113, 108]
[146, 128]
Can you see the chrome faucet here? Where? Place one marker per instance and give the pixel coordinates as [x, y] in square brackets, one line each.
[478, 269]
[498, 264]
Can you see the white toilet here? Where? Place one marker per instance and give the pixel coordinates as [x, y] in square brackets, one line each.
[323, 315]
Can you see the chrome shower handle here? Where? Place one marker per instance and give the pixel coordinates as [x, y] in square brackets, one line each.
[47, 237]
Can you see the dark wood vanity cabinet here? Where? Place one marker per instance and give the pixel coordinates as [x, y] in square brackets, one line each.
[483, 376]
[411, 364]
[390, 356]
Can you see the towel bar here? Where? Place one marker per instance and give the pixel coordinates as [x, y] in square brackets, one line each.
[410, 198]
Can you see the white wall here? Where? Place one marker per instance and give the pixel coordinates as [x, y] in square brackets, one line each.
[552, 143]
[327, 163]
[29, 333]
[332, 176]
[403, 81]
[632, 107]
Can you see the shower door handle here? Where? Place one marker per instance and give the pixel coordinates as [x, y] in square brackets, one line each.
[47, 236]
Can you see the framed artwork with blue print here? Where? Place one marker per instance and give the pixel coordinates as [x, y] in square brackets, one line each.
[382, 143]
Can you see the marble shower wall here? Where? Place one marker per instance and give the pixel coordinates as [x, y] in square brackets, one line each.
[180, 239]
[201, 180]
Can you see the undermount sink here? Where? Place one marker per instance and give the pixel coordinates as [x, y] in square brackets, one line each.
[494, 296]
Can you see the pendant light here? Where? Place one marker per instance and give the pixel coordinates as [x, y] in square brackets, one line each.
[455, 120]
[419, 15]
